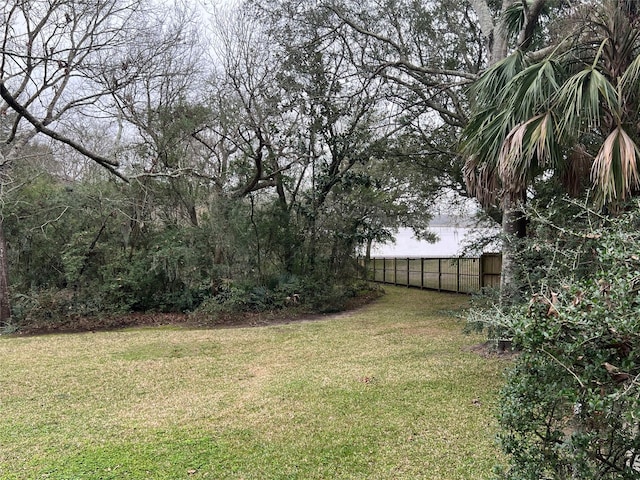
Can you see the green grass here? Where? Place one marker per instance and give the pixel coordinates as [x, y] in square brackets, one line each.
[389, 392]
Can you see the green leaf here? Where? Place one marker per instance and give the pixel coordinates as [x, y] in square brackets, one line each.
[582, 98]
[532, 90]
[513, 19]
[493, 81]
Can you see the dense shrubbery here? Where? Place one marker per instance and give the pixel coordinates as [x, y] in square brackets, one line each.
[95, 248]
[570, 408]
[310, 295]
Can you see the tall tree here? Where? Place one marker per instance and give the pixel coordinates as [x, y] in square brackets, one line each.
[428, 54]
[565, 113]
[309, 117]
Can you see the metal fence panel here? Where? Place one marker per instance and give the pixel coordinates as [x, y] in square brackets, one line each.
[455, 274]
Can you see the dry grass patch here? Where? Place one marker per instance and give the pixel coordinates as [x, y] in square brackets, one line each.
[389, 392]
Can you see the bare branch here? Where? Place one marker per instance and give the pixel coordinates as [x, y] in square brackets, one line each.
[110, 165]
[402, 58]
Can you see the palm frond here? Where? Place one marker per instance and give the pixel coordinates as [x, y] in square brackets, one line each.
[631, 77]
[532, 90]
[543, 143]
[528, 147]
[582, 98]
[491, 83]
[615, 169]
[514, 165]
[513, 20]
[484, 134]
[481, 142]
[481, 180]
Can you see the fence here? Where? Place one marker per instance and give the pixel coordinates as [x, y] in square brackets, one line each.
[462, 275]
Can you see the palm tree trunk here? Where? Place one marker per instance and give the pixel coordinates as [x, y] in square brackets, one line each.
[513, 220]
[513, 230]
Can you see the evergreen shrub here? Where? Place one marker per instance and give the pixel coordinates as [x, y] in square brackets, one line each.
[570, 408]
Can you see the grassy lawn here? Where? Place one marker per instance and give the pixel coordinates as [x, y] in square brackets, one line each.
[390, 392]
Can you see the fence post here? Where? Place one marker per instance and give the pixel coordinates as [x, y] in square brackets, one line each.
[395, 271]
[408, 273]
[458, 275]
[384, 270]
[422, 273]
[439, 274]
[481, 272]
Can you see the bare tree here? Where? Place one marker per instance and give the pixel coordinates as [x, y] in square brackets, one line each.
[61, 61]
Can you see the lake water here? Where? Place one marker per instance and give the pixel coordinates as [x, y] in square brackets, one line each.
[451, 241]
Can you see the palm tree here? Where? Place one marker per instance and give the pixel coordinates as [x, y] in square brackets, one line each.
[571, 112]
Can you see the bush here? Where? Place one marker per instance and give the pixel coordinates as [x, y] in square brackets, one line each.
[283, 291]
[570, 408]
[49, 309]
[271, 294]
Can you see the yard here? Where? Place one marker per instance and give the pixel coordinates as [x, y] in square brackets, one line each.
[391, 391]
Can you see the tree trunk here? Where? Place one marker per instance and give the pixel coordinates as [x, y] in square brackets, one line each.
[495, 35]
[513, 220]
[193, 215]
[257, 234]
[367, 259]
[510, 212]
[288, 246]
[5, 303]
[513, 230]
